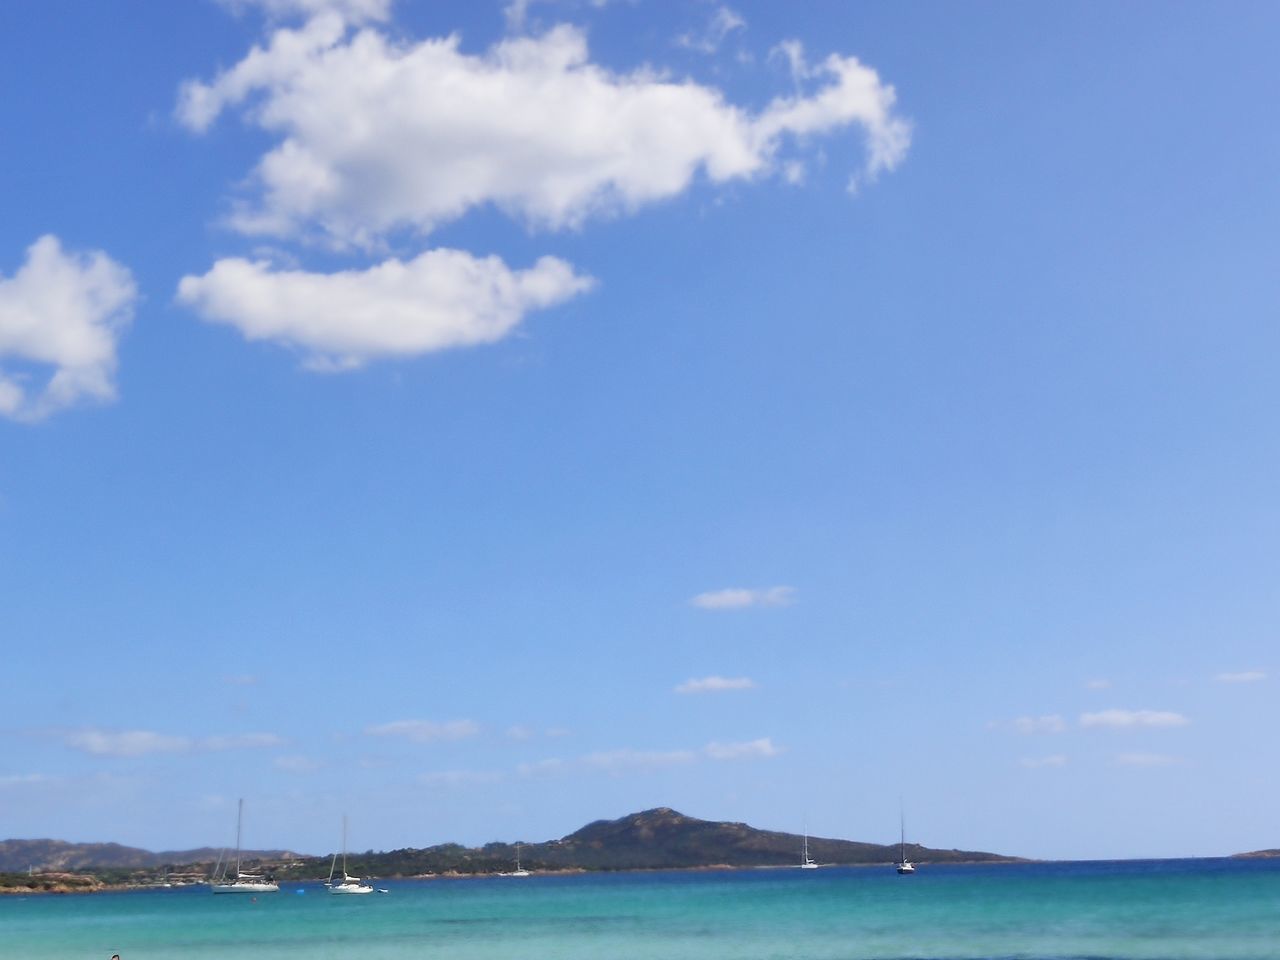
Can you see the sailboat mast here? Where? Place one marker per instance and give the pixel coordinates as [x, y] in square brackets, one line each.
[239, 819]
[344, 846]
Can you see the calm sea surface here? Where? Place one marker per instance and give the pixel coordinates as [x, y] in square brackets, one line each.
[1161, 910]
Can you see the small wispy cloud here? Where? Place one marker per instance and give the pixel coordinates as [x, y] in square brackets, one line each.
[1052, 760]
[519, 732]
[425, 731]
[241, 741]
[296, 764]
[715, 684]
[138, 743]
[763, 747]
[1098, 683]
[126, 743]
[1049, 723]
[541, 768]
[792, 53]
[1125, 719]
[628, 759]
[22, 779]
[739, 598]
[1146, 760]
[460, 778]
[723, 22]
[241, 680]
[1244, 676]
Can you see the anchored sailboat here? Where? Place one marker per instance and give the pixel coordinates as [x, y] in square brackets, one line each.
[519, 872]
[348, 884]
[904, 865]
[241, 882]
[805, 862]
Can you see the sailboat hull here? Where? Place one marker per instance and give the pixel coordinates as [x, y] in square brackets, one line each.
[246, 887]
[350, 889]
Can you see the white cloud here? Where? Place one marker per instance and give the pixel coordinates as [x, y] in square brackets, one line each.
[792, 52]
[520, 732]
[615, 761]
[1098, 683]
[243, 741]
[438, 300]
[127, 743]
[1050, 723]
[763, 747]
[1146, 760]
[425, 731]
[723, 22]
[1245, 676]
[297, 764]
[137, 743]
[375, 134]
[628, 760]
[23, 779]
[1122, 719]
[352, 11]
[1052, 760]
[459, 778]
[736, 598]
[716, 684]
[64, 311]
[539, 768]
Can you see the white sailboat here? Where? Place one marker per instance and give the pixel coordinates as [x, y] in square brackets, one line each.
[348, 884]
[805, 862]
[904, 865]
[519, 871]
[241, 882]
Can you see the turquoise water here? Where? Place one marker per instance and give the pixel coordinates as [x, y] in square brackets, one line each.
[1163, 910]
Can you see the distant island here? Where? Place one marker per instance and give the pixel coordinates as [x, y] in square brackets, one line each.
[659, 839]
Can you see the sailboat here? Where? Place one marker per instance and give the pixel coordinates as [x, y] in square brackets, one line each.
[241, 882]
[518, 871]
[904, 865]
[348, 884]
[805, 862]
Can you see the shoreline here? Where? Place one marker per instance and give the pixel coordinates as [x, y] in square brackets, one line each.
[67, 884]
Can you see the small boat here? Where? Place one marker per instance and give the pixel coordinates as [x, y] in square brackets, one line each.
[518, 872]
[904, 865]
[348, 884]
[805, 862]
[242, 882]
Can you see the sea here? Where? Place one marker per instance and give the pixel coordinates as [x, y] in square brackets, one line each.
[1128, 910]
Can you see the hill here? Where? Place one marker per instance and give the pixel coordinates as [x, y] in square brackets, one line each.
[17, 856]
[652, 839]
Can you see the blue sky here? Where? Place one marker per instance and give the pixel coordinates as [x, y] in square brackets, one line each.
[768, 411]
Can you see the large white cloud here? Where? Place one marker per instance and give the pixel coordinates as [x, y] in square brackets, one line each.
[440, 299]
[66, 311]
[377, 134]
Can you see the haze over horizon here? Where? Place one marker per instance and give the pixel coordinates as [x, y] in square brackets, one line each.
[484, 419]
